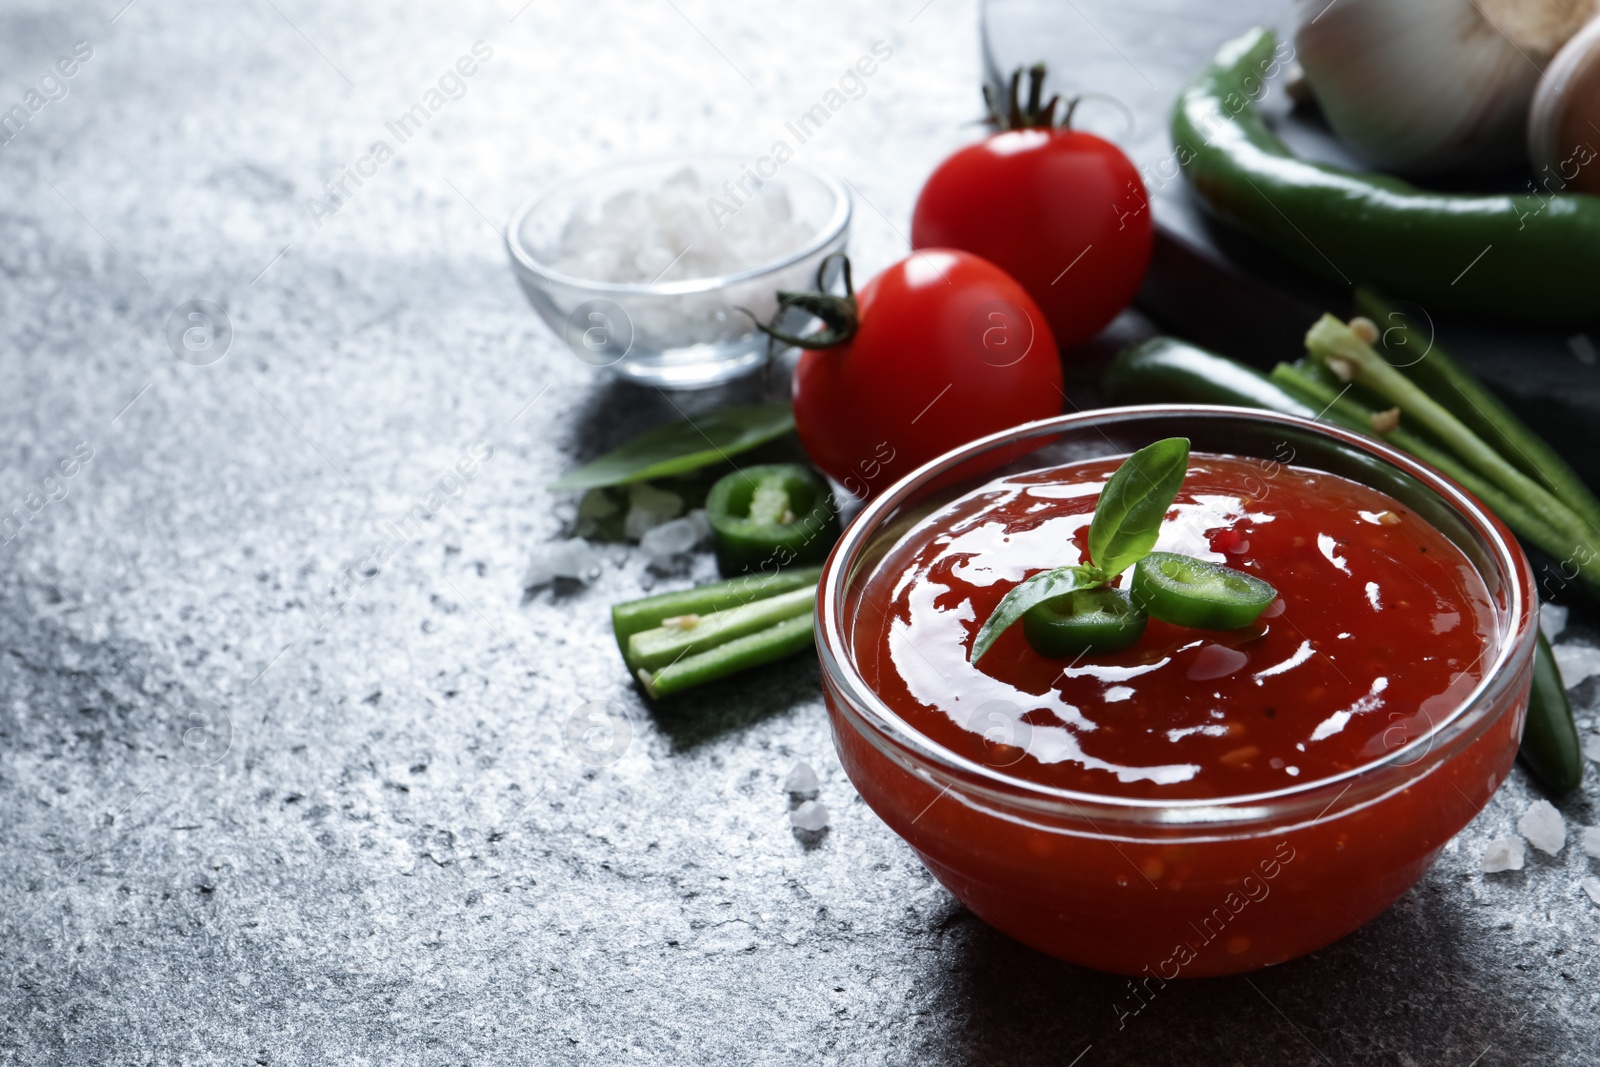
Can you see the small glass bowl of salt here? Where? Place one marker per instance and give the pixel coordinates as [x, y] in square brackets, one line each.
[642, 267]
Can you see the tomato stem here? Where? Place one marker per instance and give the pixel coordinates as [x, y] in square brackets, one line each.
[840, 315]
[1015, 115]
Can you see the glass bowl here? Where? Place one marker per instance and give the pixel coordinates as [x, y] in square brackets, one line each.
[677, 331]
[1168, 888]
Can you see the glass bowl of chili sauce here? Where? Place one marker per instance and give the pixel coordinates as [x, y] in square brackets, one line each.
[1201, 802]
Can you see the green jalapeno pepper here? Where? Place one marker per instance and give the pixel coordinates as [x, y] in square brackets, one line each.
[1549, 738]
[774, 513]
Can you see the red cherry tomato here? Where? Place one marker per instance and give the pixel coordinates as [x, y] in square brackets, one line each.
[949, 349]
[1062, 212]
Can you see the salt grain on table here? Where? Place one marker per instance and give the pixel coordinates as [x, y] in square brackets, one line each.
[1591, 840]
[1576, 663]
[801, 779]
[575, 558]
[649, 507]
[1552, 620]
[810, 816]
[1543, 826]
[1503, 854]
[665, 543]
[1592, 887]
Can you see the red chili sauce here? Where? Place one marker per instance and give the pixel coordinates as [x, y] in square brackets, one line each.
[1380, 630]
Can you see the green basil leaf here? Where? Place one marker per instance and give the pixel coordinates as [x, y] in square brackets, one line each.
[686, 445]
[1133, 504]
[1026, 594]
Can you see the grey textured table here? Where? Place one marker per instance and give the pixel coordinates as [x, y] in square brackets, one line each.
[264, 799]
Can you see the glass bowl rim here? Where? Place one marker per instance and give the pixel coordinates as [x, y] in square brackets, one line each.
[524, 260]
[874, 716]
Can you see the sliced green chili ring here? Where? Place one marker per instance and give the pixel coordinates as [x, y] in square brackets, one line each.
[774, 513]
[1191, 592]
[1089, 620]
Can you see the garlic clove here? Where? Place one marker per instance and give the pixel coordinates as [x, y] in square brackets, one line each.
[1431, 85]
[1564, 118]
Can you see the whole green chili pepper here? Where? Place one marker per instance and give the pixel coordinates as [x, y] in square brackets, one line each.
[1528, 257]
[1549, 738]
[1164, 370]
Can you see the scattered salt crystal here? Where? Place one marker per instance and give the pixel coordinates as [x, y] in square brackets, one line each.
[662, 544]
[645, 495]
[1543, 826]
[1591, 885]
[597, 504]
[1503, 854]
[702, 522]
[575, 558]
[801, 779]
[1577, 662]
[1591, 841]
[1591, 747]
[809, 816]
[649, 507]
[596, 515]
[1552, 620]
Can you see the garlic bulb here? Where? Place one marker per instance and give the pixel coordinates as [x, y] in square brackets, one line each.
[1431, 85]
[1564, 121]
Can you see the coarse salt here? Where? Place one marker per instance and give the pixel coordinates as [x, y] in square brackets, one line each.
[810, 816]
[664, 543]
[1543, 826]
[1552, 620]
[670, 233]
[1591, 885]
[1503, 854]
[1576, 663]
[574, 558]
[1591, 840]
[649, 507]
[1591, 747]
[801, 779]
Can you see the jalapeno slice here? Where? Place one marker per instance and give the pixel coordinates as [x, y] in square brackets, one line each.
[771, 514]
[1089, 620]
[1191, 592]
